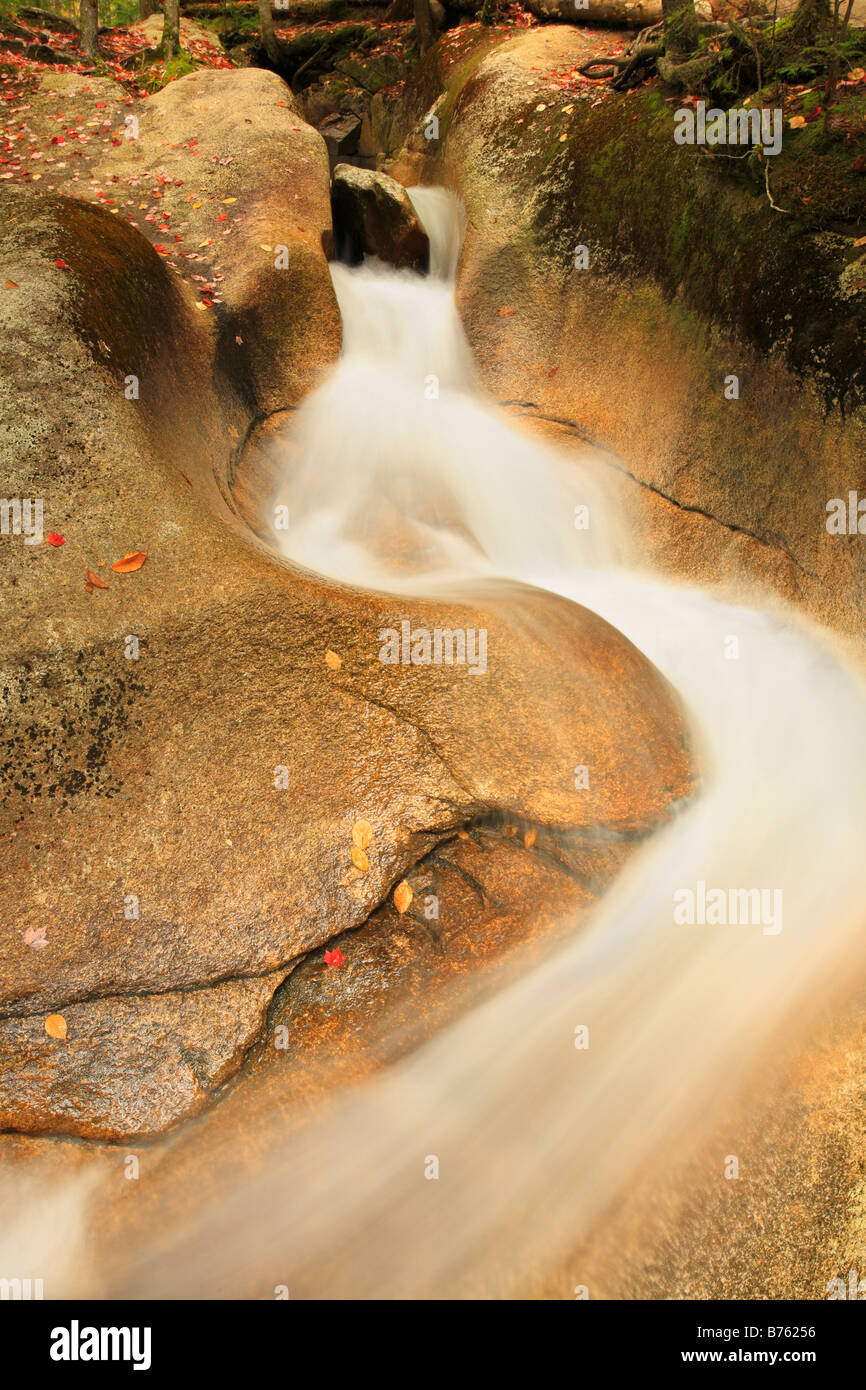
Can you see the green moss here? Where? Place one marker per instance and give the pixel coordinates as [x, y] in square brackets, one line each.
[704, 231]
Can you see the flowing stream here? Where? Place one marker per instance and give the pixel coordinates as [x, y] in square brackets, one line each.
[535, 1137]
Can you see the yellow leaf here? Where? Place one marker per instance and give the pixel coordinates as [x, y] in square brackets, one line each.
[403, 896]
[362, 833]
[359, 859]
[333, 660]
[797, 122]
[229, 200]
[55, 1026]
[196, 205]
[133, 561]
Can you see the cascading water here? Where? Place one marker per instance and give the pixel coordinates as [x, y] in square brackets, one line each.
[402, 478]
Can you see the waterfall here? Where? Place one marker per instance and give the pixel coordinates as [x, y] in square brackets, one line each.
[534, 1137]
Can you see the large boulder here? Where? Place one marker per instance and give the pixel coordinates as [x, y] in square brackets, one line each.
[374, 217]
[221, 173]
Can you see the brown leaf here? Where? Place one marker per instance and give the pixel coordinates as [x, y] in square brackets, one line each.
[529, 839]
[861, 241]
[333, 660]
[55, 1026]
[133, 561]
[11, 285]
[403, 896]
[94, 581]
[506, 312]
[362, 833]
[359, 859]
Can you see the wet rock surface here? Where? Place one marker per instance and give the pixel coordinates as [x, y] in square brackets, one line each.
[126, 1067]
[374, 217]
[498, 894]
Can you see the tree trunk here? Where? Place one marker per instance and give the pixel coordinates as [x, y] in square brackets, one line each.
[146, 8]
[807, 19]
[170, 44]
[89, 25]
[424, 28]
[681, 28]
[266, 26]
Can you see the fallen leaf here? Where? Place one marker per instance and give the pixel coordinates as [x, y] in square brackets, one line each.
[861, 241]
[403, 896]
[333, 660]
[334, 957]
[797, 122]
[359, 859]
[11, 285]
[54, 538]
[529, 839]
[506, 312]
[61, 265]
[229, 200]
[35, 937]
[133, 561]
[362, 833]
[55, 1026]
[95, 580]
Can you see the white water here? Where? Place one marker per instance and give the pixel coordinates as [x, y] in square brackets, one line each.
[535, 1138]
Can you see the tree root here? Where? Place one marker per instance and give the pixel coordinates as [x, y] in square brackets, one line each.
[647, 56]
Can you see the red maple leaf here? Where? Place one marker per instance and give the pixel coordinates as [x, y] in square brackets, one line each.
[54, 539]
[334, 957]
